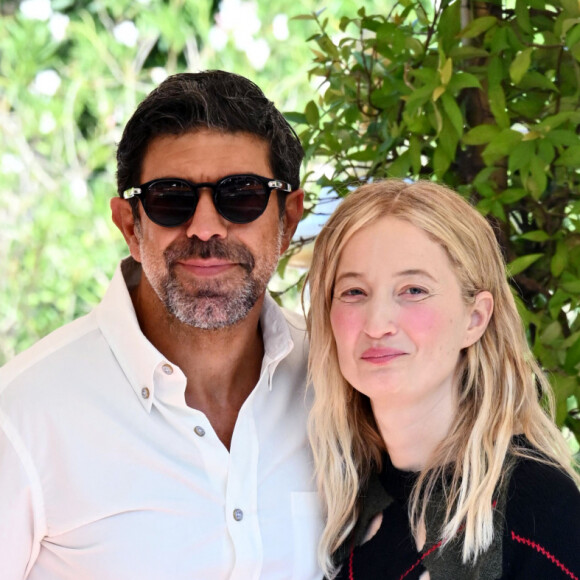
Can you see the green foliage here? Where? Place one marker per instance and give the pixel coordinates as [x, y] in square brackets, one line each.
[489, 107]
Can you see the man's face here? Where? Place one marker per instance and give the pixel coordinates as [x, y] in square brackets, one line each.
[209, 273]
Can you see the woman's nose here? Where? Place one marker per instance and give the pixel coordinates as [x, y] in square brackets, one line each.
[380, 318]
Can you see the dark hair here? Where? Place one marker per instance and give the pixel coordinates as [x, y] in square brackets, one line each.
[211, 99]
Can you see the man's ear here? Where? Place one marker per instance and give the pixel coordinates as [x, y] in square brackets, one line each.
[480, 315]
[123, 218]
[292, 216]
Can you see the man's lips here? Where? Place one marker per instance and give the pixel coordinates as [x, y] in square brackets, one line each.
[206, 267]
[377, 355]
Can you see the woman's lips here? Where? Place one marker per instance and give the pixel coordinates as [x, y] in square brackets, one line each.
[381, 355]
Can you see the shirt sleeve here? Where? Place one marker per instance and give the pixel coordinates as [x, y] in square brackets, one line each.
[542, 535]
[17, 503]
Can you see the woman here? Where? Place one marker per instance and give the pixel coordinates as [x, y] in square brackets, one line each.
[434, 456]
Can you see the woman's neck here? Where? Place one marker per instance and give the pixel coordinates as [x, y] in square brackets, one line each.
[412, 432]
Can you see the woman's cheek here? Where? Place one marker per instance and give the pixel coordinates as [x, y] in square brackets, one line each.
[421, 320]
[346, 321]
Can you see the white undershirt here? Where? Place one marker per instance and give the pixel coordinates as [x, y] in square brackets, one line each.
[106, 473]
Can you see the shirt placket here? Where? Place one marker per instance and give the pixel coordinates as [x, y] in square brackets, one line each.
[241, 505]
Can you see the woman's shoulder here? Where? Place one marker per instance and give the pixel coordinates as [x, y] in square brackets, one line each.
[542, 521]
[539, 486]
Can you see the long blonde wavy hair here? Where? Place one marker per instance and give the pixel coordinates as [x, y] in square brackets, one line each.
[501, 389]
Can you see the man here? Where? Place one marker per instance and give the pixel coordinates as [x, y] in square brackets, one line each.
[163, 435]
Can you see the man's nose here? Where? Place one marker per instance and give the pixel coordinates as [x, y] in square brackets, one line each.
[206, 222]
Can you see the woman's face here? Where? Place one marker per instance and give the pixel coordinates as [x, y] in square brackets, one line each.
[398, 316]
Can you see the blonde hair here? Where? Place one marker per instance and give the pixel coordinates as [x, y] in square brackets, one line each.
[500, 383]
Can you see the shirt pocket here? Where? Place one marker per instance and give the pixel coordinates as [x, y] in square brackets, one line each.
[307, 527]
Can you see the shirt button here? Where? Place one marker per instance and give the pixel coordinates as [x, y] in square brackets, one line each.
[167, 369]
[145, 392]
[238, 515]
[199, 431]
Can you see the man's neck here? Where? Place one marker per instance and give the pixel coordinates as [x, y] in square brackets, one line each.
[222, 366]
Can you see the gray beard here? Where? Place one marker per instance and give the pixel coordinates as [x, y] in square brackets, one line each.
[210, 308]
[214, 304]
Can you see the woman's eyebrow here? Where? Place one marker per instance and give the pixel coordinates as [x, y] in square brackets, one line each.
[343, 275]
[400, 274]
[415, 272]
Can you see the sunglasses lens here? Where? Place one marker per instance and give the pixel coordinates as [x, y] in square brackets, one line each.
[169, 202]
[242, 198]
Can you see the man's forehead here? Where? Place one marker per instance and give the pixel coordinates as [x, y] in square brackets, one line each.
[205, 155]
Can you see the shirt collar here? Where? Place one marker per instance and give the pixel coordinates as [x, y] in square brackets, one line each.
[116, 316]
[139, 359]
[278, 341]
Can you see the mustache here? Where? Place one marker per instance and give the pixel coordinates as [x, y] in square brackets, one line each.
[212, 248]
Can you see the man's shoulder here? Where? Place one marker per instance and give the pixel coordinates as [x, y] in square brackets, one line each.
[63, 345]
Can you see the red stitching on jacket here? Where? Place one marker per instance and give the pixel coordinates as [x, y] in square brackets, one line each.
[350, 569]
[424, 555]
[544, 552]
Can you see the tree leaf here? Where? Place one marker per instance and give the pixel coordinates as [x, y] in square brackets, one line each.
[571, 286]
[501, 145]
[559, 137]
[481, 134]
[536, 236]
[521, 154]
[520, 264]
[467, 52]
[400, 166]
[570, 157]
[311, 113]
[559, 260]
[498, 106]
[463, 80]
[446, 71]
[415, 154]
[523, 15]
[551, 333]
[441, 162]
[571, 7]
[572, 357]
[537, 181]
[438, 92]
[478, 26]
[453, 112]
[512, 195]
[520, 65]
[295, 117]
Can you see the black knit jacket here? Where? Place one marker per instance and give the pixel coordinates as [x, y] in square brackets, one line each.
[536, 531]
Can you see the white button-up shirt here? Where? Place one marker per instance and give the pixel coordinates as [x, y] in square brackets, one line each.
[107, 474]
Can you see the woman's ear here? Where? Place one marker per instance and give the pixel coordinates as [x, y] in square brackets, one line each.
[480, 314]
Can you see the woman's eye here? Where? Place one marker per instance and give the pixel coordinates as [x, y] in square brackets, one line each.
[350, 293]
[415, 291]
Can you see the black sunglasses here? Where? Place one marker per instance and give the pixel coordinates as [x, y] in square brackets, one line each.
[240, 199]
